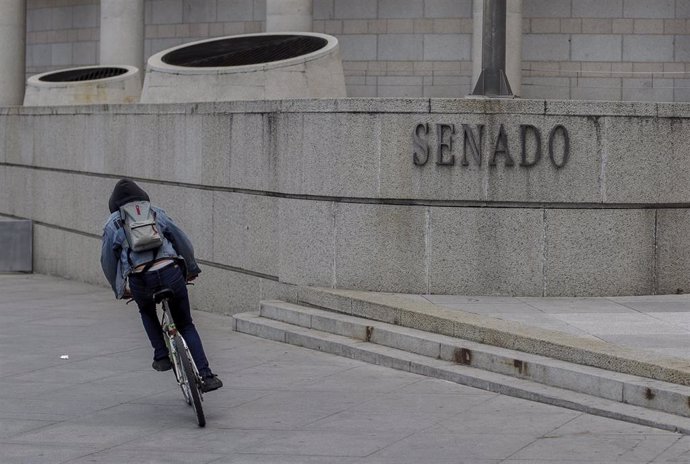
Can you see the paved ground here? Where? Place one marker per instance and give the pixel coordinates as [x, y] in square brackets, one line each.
[281, 404]
[653, 323]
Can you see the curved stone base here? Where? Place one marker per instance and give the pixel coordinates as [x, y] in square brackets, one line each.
[84, 86]
[316, 74]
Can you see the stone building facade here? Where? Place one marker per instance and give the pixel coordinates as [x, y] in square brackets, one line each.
[627, 50]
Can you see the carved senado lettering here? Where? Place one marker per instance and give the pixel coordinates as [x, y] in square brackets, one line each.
[511, 147]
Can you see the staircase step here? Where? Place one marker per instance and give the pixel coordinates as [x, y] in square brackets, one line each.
[341, 345]
[625, 388]
[400, 310]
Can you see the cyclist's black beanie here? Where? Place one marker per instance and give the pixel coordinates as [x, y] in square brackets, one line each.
[126, 190]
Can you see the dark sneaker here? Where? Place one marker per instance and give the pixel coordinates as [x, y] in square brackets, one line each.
[162, 365]
[210, 383]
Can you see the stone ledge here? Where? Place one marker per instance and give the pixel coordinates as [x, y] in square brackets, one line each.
[380, 105]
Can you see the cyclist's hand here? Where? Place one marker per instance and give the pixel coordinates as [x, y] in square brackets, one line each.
[127, 294]
[191, 278]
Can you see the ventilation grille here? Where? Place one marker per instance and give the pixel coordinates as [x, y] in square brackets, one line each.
[243, 51]
[86, 74]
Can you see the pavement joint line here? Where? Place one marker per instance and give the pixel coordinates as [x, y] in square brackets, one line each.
[397, 310]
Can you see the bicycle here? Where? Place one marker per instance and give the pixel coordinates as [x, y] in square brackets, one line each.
[185, 369]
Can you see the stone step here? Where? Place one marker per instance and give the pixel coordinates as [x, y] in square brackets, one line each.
[615, 386]
[256, 325]
[594, 382]
[400, 310]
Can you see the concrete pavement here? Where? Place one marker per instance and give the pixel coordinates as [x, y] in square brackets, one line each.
[76, 387]
[659, 323]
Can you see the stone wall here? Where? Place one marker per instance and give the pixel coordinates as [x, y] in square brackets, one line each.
[327, 193]
[65, 33]
[630, 50]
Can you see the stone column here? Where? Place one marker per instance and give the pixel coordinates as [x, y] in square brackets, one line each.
[12, 51]
[122, 33]
[513, 43]
[289, 15]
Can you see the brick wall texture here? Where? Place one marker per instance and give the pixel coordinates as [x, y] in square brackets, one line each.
[572, 49]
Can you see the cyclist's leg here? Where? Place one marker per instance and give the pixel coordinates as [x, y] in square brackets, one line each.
[180, 310]
[147, 309]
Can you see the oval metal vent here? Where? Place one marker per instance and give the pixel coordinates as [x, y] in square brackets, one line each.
[243, 51]
[84, 85]
[262, 66]
[83, 74]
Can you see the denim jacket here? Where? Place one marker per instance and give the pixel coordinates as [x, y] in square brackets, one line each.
[117, 260]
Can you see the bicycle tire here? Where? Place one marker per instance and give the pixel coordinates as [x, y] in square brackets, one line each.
[189, 379]
[181, 377]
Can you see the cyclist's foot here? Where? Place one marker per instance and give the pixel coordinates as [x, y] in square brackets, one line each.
[210, 383]
[162, 364]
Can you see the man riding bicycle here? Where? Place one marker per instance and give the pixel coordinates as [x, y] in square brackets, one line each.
[170, 265]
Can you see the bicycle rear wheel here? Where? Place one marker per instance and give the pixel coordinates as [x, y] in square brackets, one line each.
[190, 387]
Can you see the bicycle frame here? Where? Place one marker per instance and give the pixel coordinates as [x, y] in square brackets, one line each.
[183, 365]
[169, 331]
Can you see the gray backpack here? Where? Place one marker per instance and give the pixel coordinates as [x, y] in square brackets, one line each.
[139, 223]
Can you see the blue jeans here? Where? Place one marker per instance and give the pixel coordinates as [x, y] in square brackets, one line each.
[143, 285]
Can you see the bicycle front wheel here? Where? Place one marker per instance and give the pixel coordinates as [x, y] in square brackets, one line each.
[190, 387]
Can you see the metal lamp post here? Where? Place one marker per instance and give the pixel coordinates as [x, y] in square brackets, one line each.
[493, 81]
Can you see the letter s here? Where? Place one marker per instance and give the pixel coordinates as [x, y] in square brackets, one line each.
[420, 145]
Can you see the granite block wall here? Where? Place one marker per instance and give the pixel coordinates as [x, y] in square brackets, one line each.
[441, 196]
[619, 50]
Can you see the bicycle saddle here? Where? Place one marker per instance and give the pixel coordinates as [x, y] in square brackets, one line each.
[162, 294]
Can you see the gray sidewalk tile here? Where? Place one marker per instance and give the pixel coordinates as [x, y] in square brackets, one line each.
[325, 443]
[17, 390]
[117, 456]
[492, 308]
[459, 299]
[585, 424]
[17, 453]
[650, 298]
[620, 324]
[443, 387]
[358, 421]
[489, 422]
[437, 445]
[678, 452]
[66, 374]
[419, 403]
[11, 427]
[620, 448]
[277, 375]
[549, 322]
[574, 305]
[282, 459]
[676, 318]
[186, 439]
[365, 379]
[659, 306]
[515, 407]
[642, 341]
[674, 352]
